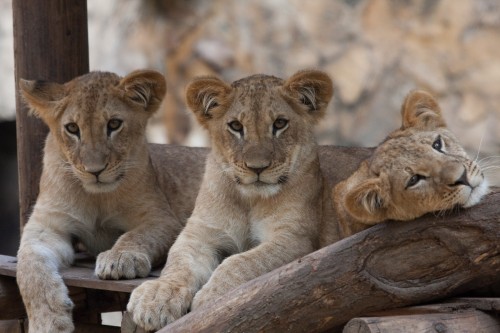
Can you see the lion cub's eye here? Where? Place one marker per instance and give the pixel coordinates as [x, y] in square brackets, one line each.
[279, 124]
[113, 125]
[73, 128]
[414, 180]
[438, 144]
[236, 126]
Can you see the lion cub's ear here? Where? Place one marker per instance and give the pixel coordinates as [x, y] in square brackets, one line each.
[421, 111]
[207, 97]
[312, 89]
[42, 97]
[145, 88]
[367, 197]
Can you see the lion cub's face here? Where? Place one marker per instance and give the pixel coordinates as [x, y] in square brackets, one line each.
[98, 121]
[419, 168]
[261, 126]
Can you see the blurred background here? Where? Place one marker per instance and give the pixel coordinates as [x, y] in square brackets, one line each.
[376, 51]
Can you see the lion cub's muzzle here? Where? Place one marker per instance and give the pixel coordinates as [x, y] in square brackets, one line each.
[469, 180]
[101, 177]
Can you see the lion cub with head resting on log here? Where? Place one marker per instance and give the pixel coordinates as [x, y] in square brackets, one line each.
[419, 168]
[101, 183]
[259, 204]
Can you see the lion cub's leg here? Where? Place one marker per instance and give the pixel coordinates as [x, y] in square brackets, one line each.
[141, 248]
[285, 243]
[190, 262]
[42, 251]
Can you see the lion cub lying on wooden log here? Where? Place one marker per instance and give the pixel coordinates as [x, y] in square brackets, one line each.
[101, 185]
[259, 205]
[417, 169]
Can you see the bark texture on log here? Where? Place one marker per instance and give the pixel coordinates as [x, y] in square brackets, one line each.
[465, 314]
[390, 265]
[466, 321]
[51, 44]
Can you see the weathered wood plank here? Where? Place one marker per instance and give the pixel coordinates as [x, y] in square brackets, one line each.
[50, 43]
[465, 321]
[393, 264]
[83, 277]
[8, 265]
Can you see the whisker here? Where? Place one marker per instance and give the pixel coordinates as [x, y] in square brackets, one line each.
[479, 148]
[488, 157]
[491, 167]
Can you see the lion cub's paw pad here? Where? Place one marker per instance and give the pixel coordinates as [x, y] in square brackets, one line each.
[122, 265]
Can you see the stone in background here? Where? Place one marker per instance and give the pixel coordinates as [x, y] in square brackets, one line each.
[376, 51]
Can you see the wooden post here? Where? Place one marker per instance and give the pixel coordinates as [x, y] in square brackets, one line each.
[51, 44]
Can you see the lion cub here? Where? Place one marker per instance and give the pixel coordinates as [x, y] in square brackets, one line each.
[260, 200]
[100, 185]
[417, 169]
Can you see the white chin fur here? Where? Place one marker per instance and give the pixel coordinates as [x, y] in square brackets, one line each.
[264, 191]
[101, 187]
[477, 194]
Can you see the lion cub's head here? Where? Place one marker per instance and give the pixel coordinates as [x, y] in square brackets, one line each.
[419, 168]
[98, 122]
[261, 127]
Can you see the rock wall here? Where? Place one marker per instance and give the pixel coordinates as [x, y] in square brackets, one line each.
[375, 50]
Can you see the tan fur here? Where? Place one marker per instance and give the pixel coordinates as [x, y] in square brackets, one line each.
[99, 186]
[259, 204]
[380, 189]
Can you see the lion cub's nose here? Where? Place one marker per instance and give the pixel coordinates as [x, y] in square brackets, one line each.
[256, 168]
[462, 180]
[95, 170]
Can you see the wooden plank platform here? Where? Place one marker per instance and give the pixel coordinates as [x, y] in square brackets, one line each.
[81, 274]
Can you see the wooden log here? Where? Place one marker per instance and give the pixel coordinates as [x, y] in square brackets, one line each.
[50, 43]
[390, 265]
[450, 305]
[479, 303]
[466, 321]
[455, 314]
[11, 303]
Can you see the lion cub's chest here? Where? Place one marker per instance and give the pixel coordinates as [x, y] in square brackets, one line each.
[261, 223]
[98, 229]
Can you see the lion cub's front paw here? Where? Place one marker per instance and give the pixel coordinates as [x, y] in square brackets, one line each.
[116, 265]
[154, 304]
